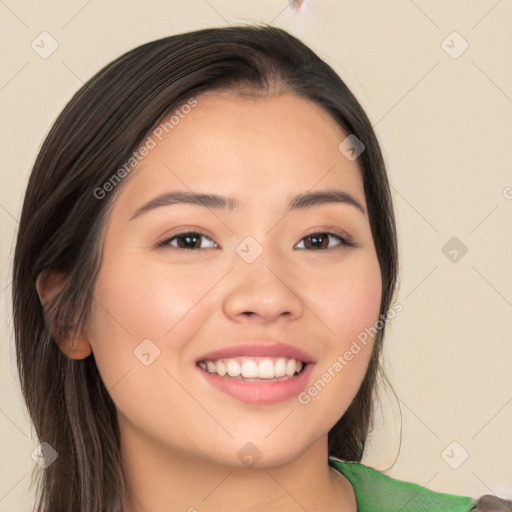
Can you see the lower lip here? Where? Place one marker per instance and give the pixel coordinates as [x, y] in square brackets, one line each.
[260, 392]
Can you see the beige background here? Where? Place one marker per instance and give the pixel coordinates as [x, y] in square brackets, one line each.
[445, 124]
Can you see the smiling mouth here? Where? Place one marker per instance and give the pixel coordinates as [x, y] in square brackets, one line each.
[255, 369]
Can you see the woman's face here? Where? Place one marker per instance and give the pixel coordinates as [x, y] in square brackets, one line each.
[253, 276]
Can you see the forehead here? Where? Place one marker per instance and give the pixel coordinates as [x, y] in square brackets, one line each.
[252, 144]
[283, 121]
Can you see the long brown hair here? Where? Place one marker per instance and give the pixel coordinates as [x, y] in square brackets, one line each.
[62, 225]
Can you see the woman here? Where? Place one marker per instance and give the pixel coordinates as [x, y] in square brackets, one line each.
[206, 235]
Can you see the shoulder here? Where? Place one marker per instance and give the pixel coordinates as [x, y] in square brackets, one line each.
[378, 492]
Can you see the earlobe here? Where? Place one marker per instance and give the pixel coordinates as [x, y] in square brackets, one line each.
[75, 348]
[48, 285]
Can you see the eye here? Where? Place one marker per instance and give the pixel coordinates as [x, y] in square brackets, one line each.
[191, 240]
[319, 240]
[186, 240]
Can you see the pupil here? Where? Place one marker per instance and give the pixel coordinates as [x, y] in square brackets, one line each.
[190, 239]
[318, 239]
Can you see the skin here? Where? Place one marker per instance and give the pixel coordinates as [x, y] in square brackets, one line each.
[179, 435]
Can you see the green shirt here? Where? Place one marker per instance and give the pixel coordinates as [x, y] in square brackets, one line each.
[376, 492]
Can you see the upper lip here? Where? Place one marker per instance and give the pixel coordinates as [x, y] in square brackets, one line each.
[261, 350]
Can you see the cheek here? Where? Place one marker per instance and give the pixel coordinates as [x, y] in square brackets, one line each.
[137, 300]
[147, 299]
[350, 300]
[350, 305]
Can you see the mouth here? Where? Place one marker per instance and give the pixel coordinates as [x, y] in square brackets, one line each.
[255, 369]
[257, 380]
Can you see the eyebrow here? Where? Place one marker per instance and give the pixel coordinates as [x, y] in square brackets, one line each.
[215, 201]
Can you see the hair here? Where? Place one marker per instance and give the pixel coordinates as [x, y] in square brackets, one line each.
[62, 227]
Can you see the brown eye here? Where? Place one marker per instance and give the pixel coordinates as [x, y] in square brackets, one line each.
[316, 241]
[188, 240]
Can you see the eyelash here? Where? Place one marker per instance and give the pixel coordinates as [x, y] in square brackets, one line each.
[342, 237]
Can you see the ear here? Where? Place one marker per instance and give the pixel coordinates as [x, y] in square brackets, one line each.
[48, 284]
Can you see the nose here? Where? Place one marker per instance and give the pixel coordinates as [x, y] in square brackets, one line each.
[261, 294]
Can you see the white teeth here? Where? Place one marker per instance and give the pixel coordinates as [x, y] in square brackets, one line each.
[220, 368]
[254, 367]
[266, 369]
[280, 367]
[233, 368]
[291, 366]
[249, 369]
